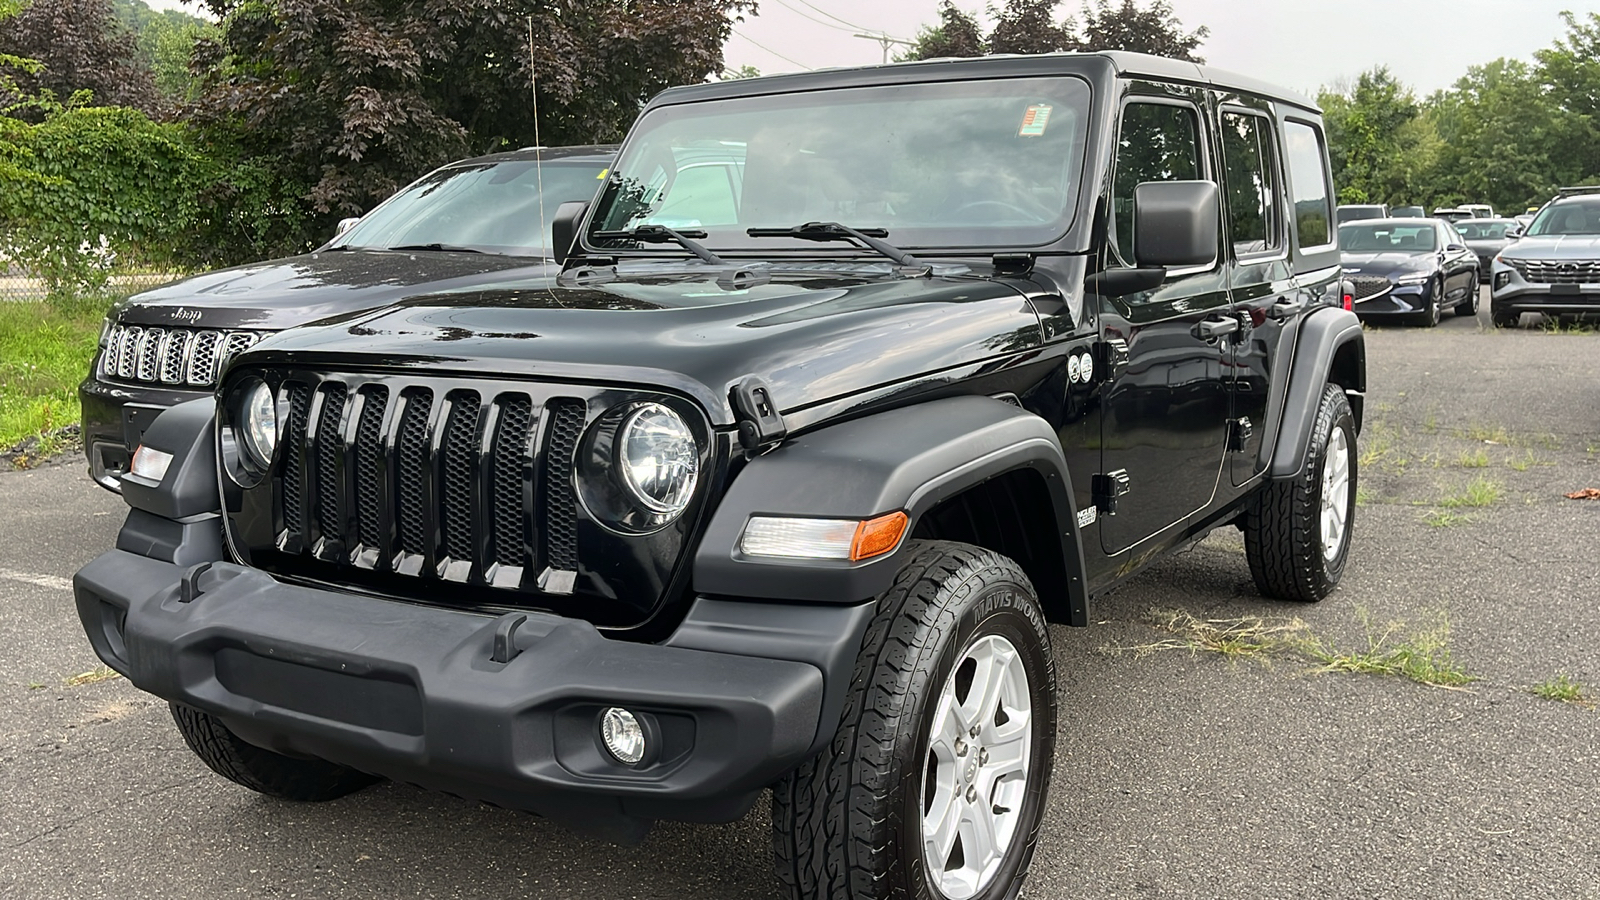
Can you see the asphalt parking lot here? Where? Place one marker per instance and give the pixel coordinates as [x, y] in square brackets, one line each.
[1178, 773]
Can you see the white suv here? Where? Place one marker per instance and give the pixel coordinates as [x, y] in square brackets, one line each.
[1554, 268]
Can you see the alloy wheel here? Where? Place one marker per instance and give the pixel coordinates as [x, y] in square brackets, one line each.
[1335, 493]
[975, 778]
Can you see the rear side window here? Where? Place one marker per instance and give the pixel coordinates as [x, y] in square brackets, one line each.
[1309, 184]
[1250, 162]
[1160, 142]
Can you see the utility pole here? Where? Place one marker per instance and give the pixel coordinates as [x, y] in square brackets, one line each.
[885, 42]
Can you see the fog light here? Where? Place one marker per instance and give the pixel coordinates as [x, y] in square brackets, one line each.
[623, 735]
[1501, 279]
[148, 462]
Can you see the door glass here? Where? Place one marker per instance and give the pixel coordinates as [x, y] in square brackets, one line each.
[1249, 163]
[1303, 150]
[1160, 142]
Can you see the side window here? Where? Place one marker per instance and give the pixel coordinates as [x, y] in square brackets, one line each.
[1249, 162]
[1159, 142]
[1308, 183]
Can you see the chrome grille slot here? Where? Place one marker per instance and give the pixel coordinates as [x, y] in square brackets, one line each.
[149, 354]
[1553, 271]
[174, 349]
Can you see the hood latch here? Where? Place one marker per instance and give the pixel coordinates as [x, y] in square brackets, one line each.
[761, 426]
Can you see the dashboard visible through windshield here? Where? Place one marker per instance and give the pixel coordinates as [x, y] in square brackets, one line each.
[947, 165]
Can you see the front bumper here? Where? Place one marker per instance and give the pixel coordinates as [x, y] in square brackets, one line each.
[413, 692]
[1399, 300]
[1519, 296]
[114, 416]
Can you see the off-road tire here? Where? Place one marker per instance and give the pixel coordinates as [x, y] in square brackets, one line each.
[263, 771]
[1282, 530]
[1469, 305]
[846, 825]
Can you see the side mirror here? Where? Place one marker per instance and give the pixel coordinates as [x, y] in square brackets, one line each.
[1514, 232]
[1454, 248]
[564, 228]
[346, 225]
[1175, 223]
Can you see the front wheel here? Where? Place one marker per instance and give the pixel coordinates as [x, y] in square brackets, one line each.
[263, 771]
[1429, 317]
[1469, 304]
[935, 781]
[1297, 533]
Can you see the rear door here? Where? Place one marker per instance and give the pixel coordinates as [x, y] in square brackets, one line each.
[1165, 412]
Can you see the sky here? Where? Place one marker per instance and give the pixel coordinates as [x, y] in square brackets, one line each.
[1298, 44]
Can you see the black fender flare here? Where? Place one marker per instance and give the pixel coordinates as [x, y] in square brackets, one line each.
[1323, 334]
[909, 459]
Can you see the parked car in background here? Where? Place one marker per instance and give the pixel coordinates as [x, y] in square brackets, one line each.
[1554, 268]
[1486, 238]
[1412, 269]
[1479, 210]
[1408, 212]
[1451, 214]
[470, 223]
[1351, 212]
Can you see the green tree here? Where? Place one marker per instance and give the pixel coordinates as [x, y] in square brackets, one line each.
[1029, 26]
[166, 39]
[956, 35]
[1571, 71]
[1126, 26]
[80, 46]
[1371, 139]
[354, 98]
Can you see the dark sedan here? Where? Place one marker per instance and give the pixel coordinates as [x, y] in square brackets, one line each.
[1409, 268]
[471, 223]
[1486, 238]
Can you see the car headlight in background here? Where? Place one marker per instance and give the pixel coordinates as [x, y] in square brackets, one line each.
[1414, 278]
[258, 423]
[638, 466]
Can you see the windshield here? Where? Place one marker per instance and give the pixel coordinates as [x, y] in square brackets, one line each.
[1355, 213]
[1582, 217]
[964, 164]
[1388, 238]
[1474, 230]
[493, 207]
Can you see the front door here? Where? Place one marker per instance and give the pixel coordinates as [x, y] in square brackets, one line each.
[1163, 429]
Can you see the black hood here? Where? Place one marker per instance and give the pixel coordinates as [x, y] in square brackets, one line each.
[813, 337]
[1388, 263]
[283, 293]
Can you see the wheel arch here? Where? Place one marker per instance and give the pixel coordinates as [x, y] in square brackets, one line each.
[1331, 349]
[955, 466]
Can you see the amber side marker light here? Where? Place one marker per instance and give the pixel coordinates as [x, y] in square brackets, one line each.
[843, 539]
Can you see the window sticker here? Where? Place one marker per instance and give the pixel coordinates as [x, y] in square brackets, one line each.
[1034, 121]
[602, 175]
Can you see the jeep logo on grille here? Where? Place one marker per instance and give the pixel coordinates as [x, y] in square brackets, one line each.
[182, 314]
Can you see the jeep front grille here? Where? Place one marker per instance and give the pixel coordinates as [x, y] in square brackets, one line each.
[1368, 286]
[179, 357]
[408, 480]
[1554, 271]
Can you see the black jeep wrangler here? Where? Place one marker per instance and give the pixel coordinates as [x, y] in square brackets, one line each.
[853, 380]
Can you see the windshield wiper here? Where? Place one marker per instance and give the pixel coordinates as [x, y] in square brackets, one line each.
[833, 231]
[448, 248]
[661, 234]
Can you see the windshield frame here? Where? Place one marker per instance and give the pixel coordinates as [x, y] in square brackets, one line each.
[733, 241]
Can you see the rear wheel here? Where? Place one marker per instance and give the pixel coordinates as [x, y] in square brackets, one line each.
[273, 774]
[1469, 304]
[935, 781]
[1297, 534]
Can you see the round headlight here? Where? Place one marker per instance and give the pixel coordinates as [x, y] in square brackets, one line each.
[258, 423]
[658, 459]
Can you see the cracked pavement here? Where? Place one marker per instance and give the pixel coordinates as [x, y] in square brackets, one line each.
[1177, 774]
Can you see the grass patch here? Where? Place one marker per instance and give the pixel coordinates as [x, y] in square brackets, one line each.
[1489, 434]
[1478, 493]
[1364, 497]
[1561, 688]
[45, 350]
[1443, 518]
[93, 676]
[1421, 655]
[1478, 459]
[1246, 637]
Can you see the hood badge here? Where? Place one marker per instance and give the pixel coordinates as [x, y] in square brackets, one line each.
[184, 314]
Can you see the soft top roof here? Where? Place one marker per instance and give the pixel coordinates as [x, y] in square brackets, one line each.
[1121, 64]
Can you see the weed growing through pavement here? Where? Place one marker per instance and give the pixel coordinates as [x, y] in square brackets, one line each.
[1478, 493]
[1443, 518]
[1476, 460]
[93, 676]
[1246, 637]
[1422, 655]
[1562, 688]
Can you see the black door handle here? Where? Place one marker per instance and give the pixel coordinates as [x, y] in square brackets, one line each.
[1283, 309]
[1215, 327]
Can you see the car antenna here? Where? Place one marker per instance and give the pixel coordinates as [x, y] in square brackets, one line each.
[538, 158]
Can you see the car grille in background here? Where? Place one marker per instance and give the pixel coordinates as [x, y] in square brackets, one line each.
[1367, 286]
[447, 483]
[180, 357]
[1552, 271]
